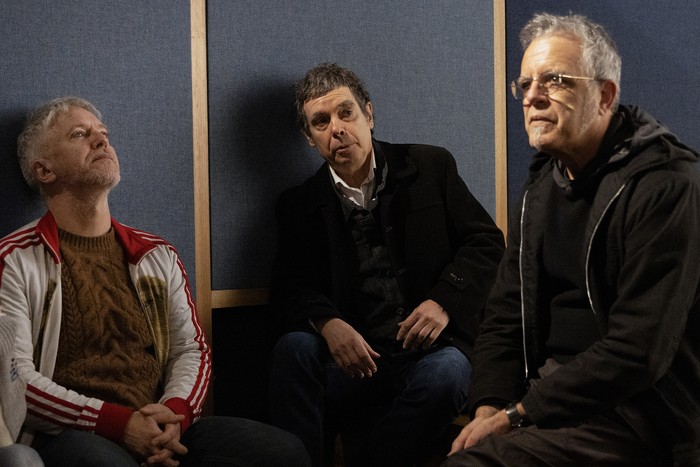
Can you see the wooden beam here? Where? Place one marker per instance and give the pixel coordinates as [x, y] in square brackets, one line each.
[500, 130]
[200, 138]
[239, 297]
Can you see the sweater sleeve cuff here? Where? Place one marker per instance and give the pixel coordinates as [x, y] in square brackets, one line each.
[112, 421]
[180, 407]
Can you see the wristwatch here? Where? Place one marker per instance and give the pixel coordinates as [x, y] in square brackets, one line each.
[516, 420]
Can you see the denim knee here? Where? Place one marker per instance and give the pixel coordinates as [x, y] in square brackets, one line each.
[445, 374]
[78, 448]
[296, 346]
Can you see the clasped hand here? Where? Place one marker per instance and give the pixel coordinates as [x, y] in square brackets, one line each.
[153, 433]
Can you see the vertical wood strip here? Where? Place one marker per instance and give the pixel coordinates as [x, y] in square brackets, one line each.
[500, 130]
[200, 151]
[200, 139]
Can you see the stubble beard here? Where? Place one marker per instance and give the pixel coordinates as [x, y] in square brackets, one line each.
[536, 138]
[96, 178]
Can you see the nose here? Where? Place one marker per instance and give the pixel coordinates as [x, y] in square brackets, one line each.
[534, 92]
[338, 127]
[99, 140]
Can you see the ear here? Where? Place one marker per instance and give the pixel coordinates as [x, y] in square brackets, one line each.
[370, 115]
[310, 140]
[43, 173]
[608, 93]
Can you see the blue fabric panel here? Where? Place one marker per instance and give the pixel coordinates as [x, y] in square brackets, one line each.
[132, 60]
[659, 43]
[429, 70]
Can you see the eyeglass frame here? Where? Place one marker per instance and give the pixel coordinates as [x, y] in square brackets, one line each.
[516, 88]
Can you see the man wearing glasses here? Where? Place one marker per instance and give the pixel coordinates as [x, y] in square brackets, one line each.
[589, 353]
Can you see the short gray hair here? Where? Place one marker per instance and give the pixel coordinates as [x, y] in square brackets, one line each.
[30, 139]
[599, 54]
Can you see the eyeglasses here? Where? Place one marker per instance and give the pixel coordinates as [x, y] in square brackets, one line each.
[548, 83]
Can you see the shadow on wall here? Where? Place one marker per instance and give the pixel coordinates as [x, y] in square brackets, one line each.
[19, 204]
[257, 154]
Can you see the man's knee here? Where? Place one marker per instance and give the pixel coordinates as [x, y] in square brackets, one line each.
[295, 345]
[18, 455]
[446, 372]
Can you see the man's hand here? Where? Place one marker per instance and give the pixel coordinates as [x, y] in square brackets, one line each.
[487, 420]
[348, 348]
[423, 325]
[140, 431]
[153, 433]
[167, 443]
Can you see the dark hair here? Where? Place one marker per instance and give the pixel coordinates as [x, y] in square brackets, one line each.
[322, 79]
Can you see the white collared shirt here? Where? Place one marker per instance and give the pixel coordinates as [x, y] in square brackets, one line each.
[360, 196]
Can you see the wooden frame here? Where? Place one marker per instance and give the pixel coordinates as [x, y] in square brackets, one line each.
[499, 97]
[200, 142]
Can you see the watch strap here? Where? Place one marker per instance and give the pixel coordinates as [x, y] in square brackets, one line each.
[516, 420]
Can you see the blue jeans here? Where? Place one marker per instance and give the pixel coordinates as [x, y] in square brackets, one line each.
[212, 441]
[397, 414]
[18, 455]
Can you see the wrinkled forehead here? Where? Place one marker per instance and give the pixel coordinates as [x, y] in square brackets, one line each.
[75, 116]
[334, 93]
[553, 52]
[333, 99]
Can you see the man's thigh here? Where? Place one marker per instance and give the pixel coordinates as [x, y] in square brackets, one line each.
[600, 441]
[73, 448]
[231, 441]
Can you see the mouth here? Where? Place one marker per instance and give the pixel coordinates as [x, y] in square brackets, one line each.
[539, 119]
[341, 150]
[102, 157]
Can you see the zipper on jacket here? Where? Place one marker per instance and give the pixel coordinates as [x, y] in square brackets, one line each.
[590, 246]
[522, 288]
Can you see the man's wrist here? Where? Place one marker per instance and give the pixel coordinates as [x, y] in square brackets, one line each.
[515, 414]
[112, 420]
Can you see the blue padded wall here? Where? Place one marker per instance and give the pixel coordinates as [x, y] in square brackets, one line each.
[132, 60]
[659, 43]
[429, 70]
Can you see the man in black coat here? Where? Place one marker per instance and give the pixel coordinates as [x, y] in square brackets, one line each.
[384, 265]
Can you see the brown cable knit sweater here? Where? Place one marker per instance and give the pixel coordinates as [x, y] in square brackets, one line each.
[106, 347]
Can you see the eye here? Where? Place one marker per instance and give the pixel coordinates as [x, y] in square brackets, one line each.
[78, 134]
[320, 122]
[547, 79]
[550, 80]
[524, 84]
[345, 113]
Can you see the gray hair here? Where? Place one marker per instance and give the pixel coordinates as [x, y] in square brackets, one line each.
[38, 121]
[322, 79]
[600, 58]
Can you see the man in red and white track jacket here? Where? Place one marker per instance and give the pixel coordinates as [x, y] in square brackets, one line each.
[107, 336]
[30, 290]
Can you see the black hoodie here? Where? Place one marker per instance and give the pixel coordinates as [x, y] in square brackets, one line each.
[643, 285]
